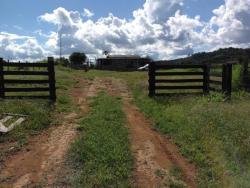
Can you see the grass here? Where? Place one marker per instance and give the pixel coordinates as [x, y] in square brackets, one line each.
[41, 113]
[38, 118]
[101, 154]
[237, 77]
[211, 132]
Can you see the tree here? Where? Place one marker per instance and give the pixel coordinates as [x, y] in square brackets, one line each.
[106, 53]
[77, 58]
[65, 62]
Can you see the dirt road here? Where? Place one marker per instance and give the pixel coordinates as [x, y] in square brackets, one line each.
[40, 163]
[155, 155]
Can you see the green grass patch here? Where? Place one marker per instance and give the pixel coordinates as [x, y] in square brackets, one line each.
[39, 118]
[237, 77]
[210, 131]
[102, 153]
[40, 112]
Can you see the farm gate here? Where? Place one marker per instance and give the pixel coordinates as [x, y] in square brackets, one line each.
[30, 80]
[165, 79]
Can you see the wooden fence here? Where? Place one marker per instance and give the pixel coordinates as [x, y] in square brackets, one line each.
[10, 74]
[220, 78]
[164, 78]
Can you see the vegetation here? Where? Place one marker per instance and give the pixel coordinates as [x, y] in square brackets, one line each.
[77, 58]
[62, 61]
[39, 118]
[102, 153]
[106, 53]
[218, 56]
[210, 132]
[41, 114]
[237, 77]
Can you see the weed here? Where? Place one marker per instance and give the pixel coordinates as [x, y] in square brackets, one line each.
[101, 154]
[211, 132]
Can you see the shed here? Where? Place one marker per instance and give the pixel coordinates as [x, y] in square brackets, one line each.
[121, 62]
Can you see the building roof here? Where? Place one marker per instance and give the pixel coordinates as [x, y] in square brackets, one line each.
[123, 57]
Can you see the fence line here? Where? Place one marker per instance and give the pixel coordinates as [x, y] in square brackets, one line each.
[49, 73]
[198, 78]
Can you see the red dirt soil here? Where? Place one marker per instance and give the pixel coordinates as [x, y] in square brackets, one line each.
[43, 159]
[153, 152]
[40, 163]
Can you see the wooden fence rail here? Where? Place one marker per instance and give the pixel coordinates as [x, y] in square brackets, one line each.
[168, 77]
[30, 85]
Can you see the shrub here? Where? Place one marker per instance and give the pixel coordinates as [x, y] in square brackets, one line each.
[77, 58]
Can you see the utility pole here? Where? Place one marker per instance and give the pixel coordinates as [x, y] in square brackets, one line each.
[60, 44]
[60, 35]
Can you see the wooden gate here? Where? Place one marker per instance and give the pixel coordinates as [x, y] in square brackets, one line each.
[220, 78]
[165, 79]
[24, 78]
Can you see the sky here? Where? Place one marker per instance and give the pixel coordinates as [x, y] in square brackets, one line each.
[161, 29]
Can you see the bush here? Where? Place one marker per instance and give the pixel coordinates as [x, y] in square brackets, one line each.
[77, 58]
[237, 77]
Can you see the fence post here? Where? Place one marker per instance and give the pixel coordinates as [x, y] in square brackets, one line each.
[52, 80]
[151, 74]
[2, 93]
[245, 74]
[206, 78]
[229, 79]
[224, 78]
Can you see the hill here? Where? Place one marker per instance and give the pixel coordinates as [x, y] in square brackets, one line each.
[218, 56]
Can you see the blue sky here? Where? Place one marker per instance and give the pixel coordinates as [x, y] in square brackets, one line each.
[23, 18]
[23, 14]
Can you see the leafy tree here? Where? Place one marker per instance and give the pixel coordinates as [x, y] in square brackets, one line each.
[106, 53]
[65, 62]
[77, 58]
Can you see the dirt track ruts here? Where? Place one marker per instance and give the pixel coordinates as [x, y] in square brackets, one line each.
[154, 154]
[41, 161]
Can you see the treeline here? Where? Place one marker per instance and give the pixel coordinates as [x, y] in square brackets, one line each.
[218, 56]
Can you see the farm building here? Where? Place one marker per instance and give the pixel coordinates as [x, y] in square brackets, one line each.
[121, 62]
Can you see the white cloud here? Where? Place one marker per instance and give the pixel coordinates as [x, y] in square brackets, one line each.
[88, 13]
[61, 16]
[159, 29]
[230, 25]
[10, 36]
[159, 10]
[147, 33]
[17, 27]
[18, 47]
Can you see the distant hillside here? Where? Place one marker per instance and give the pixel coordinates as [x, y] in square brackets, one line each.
[219, 56]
